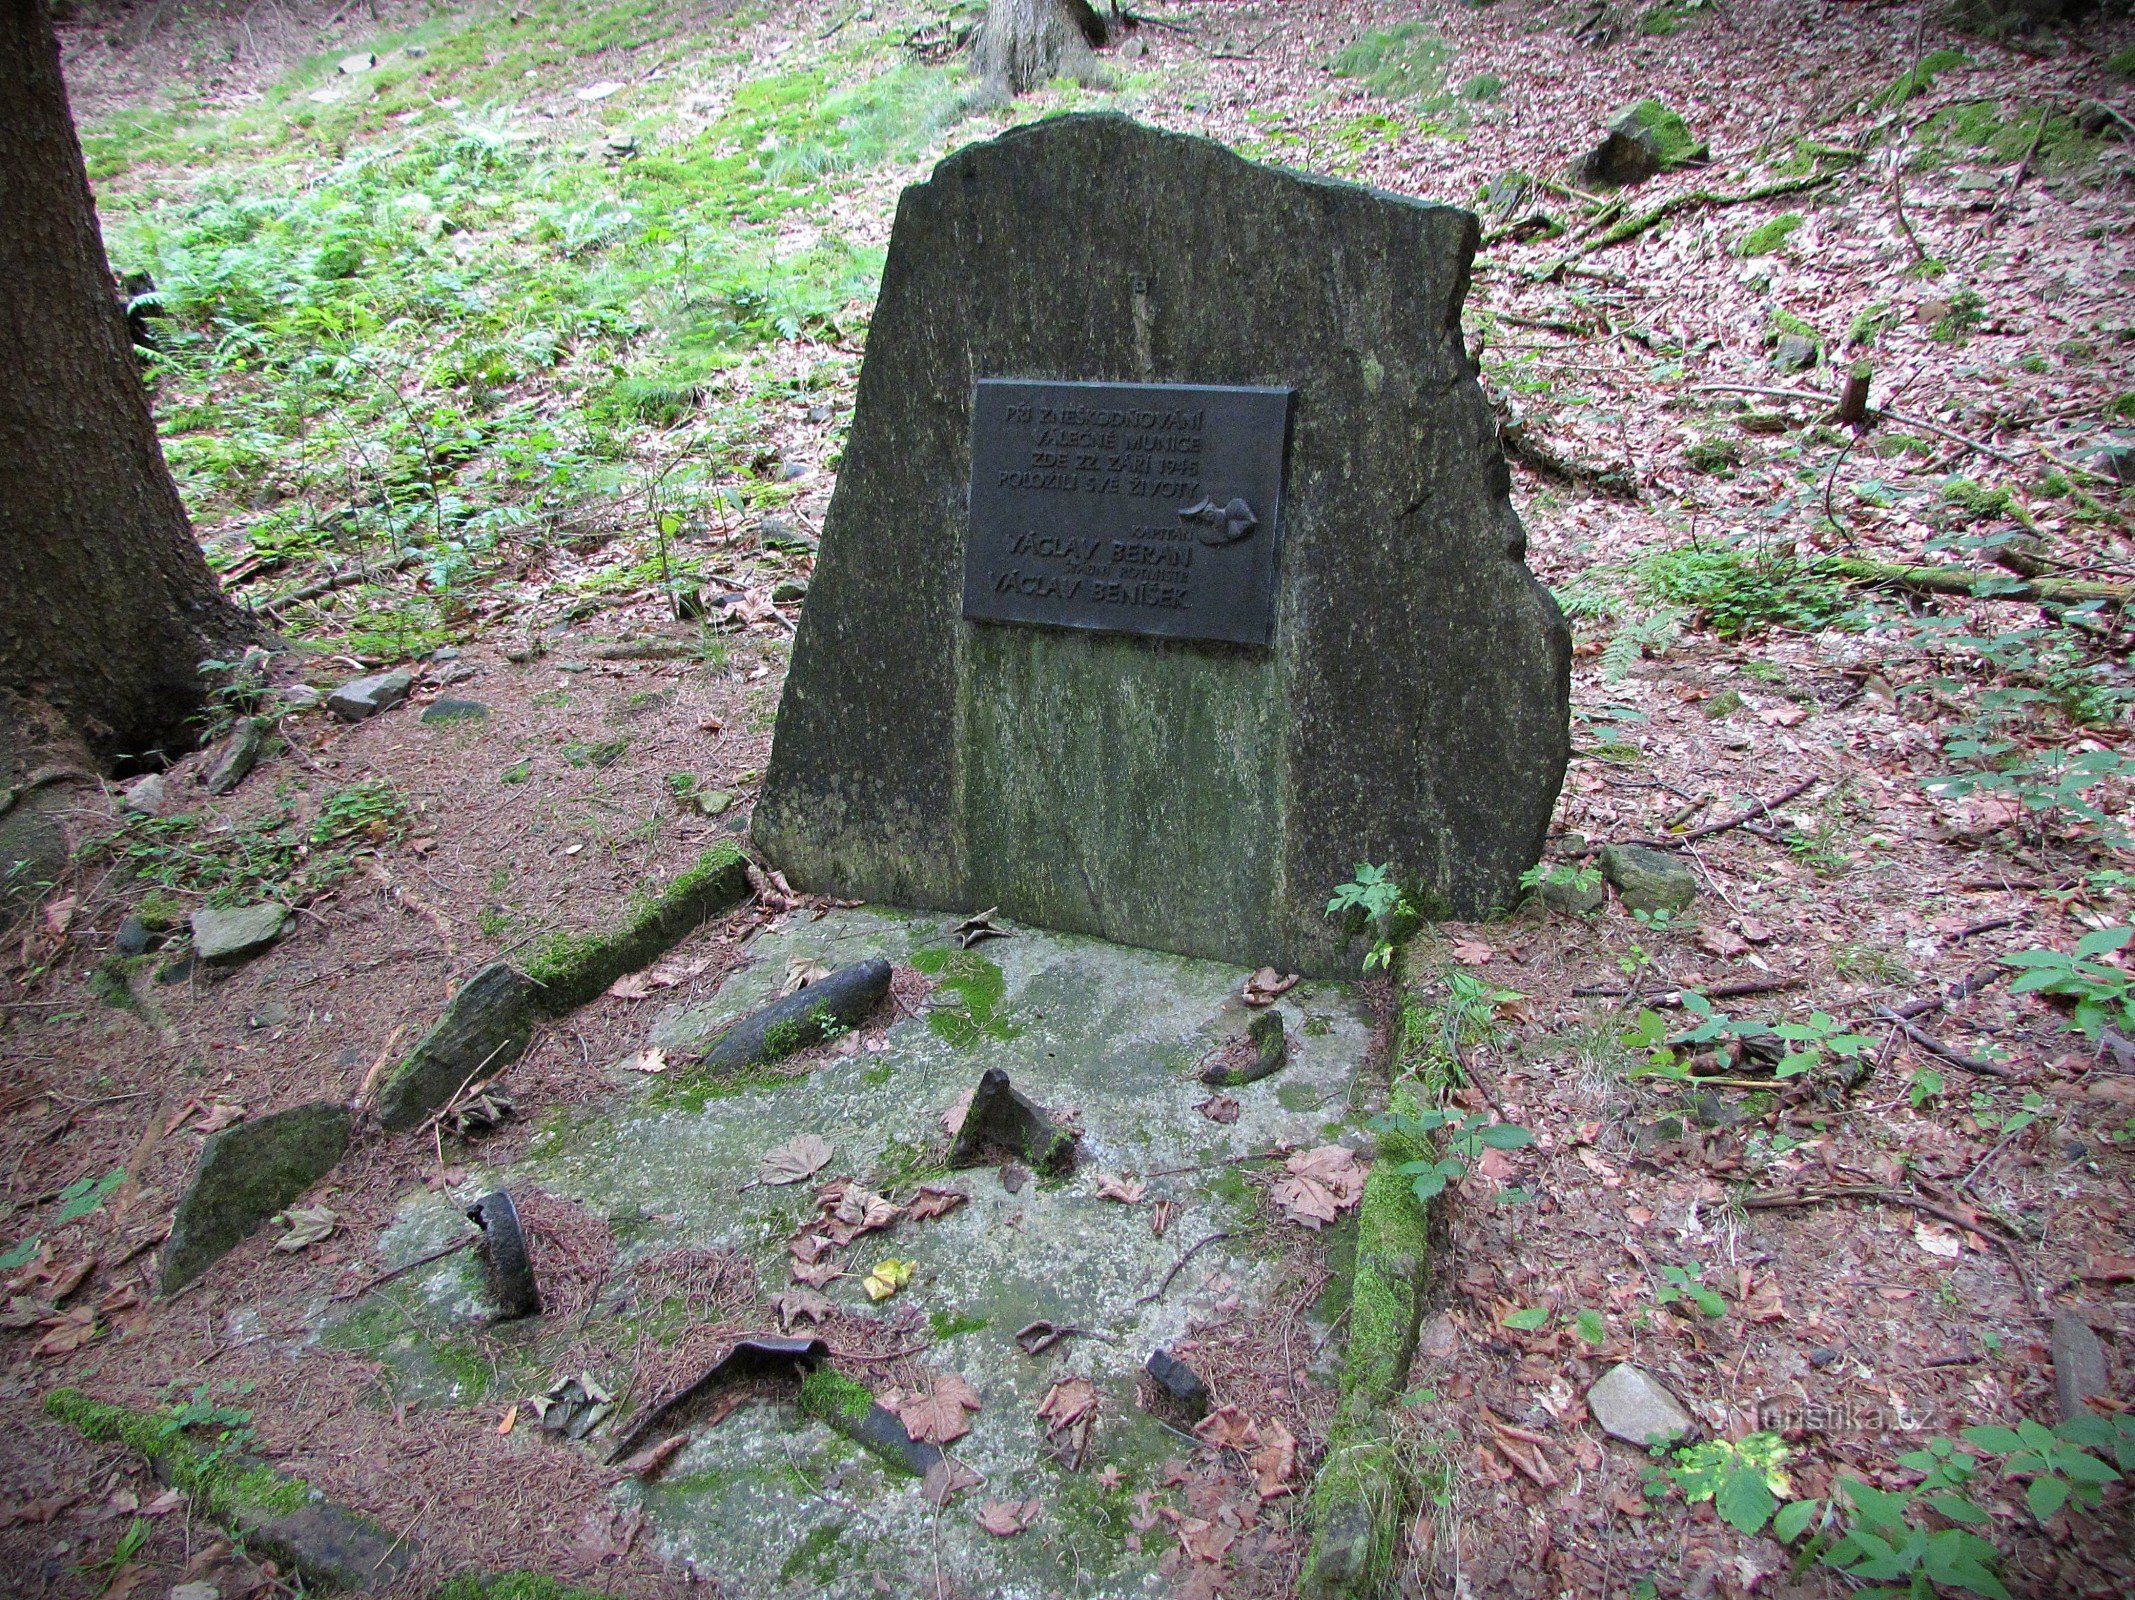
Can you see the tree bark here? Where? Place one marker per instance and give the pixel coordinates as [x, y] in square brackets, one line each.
[1022, 44]
[107, 606]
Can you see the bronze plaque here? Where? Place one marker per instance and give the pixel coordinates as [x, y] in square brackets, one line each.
[1151, 508]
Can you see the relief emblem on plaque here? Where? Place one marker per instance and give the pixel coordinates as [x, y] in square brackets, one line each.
[1224, 524]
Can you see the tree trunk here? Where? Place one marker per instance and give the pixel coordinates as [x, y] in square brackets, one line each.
[106, 605]
[1022, 44]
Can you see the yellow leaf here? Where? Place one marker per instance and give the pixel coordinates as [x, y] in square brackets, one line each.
[887, 1278]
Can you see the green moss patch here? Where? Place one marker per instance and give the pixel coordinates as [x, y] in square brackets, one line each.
[1767, 237]
[978, 986]
[570, 969]
[512, 1586]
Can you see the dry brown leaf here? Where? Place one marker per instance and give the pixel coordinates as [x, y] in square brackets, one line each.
[65, 1280]
[1205, 1541]
[648, 1464]
[68, 1331]
[937, 1417]
[1160, 1217]
[1219, 1108]
[1275, 1462]
[1520, 1448]
[1005, 1518]
[218, 1117]
[59, 916]
[1227, 1428]
[934, 1200]
[1067, 1402]
[1128, 1191]
[802, 1156]
[1318, 1185]
[1473, 953]
[946, 1479]
[794, 1304]
[631, 986]
[815, 1274]
[1722, 942]
[953, 1118]
[1267, 986]
[650, 1059]
[801, 971]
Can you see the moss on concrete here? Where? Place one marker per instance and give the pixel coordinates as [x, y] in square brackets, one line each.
[1356, 1496]
[513, 1586]
[567, 970]
[832, 1397]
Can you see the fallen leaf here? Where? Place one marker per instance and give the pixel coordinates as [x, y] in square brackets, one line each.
[1204, 1541]
[1067, 1402]
[850, 1211]
[1275, 1461]
[650, 1059]
[307, 1226]
[131, 1581]
[953, 1118]
[41, 1510]
[1722, 942]
[1473, 953]
[647, 1464]
[631, 986]
[1219, 1108]
[934, 1200]
[1525, 1453]
[1227, 1428]
[1160, 1217]
[68, 1331]
[59, 916]
[801, 971]
[1267, 986]
[25, 1312]
[794, 1304]
[218, 1117]
[1786, 716]
[946, 1479]
[1004, 1518]
[1937, 1241]
[165, 1503]
[815, 1274]
[937, 1417]
[65, 1280]
[1318, 1185]
[510, 1419]
[802, 1156]
[1753, 930]
[2105, 1267]
[1128, 1191]
[887, 1278]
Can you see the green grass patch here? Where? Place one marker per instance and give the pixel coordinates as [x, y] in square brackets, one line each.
[1740, 595]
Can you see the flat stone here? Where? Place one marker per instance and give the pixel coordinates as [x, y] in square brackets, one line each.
[1648, 880]
[1643, 139]
[246, 1174]
[444, 709]
[134, 937]
[484, 1029]
[362, 61]
[1115, 1032]
[226, 935]
[1574, 894]
[299, 697]
[239, 753]
[146, 797]
[1794, 353]
[1631, 1404]
[366, 697]
[789, 590]
[2079, 1369]
[1412, 705]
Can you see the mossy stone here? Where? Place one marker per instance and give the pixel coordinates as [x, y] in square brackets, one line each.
[1643, 139]
[247, 1173]
[484, 1029]
[567, 970]
[1648, 879]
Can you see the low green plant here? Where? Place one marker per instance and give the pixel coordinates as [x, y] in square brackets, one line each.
[1373, 898]
[1963, 315]
[1639, 637]
[2101, 993]
[1744, 1478]
[1461, 1140]
[1740, 595]
[1686, 1283]
[1768, 236]
[1919, 77]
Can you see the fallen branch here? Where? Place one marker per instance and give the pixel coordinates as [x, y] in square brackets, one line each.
[1179, 1265]
[1961, 580]
[339, 580]
[1719, 991]
[1675, 841]
[406, 1267]
[1942, 1052]
[1532, 452]
[1632, 227]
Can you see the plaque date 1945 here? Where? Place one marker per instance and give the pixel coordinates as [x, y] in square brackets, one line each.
[1149, 508]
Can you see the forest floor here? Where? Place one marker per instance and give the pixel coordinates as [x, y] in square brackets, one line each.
[543, 323]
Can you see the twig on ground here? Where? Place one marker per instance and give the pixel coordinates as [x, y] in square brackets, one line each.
[1935, 1047]
[405, 1268]
[1676, 841]
[1178, 1266]
[1769, 1200]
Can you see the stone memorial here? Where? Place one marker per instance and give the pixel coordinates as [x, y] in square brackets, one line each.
[1172, 569]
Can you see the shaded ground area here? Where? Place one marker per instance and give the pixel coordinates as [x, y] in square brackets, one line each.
[458, 341]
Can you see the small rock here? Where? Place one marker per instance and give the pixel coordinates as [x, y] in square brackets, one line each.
[1822, 1356]
[246, 1174]
[2078, 1365]
[1439, 1339]
[819, 413]
[446, 652]
[449, 710]
[710, 802]
[134, 938]
[1794, 353]
[145, 797]
[239, 753]
[1632, 1405]
[1134, 49]
[362, 61]
[415, 52]
[225, 935]
[299, 697]
[1642, 140]
[524, 649]
[1179, 1387]
[366, 697]
[790, 590]
[455, 672]
[790, 470]
[1648, 880]
[597, 91]
[273, 1014]
[1575, 893]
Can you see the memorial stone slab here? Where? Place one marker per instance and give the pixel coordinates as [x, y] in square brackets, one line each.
[1172, 568]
